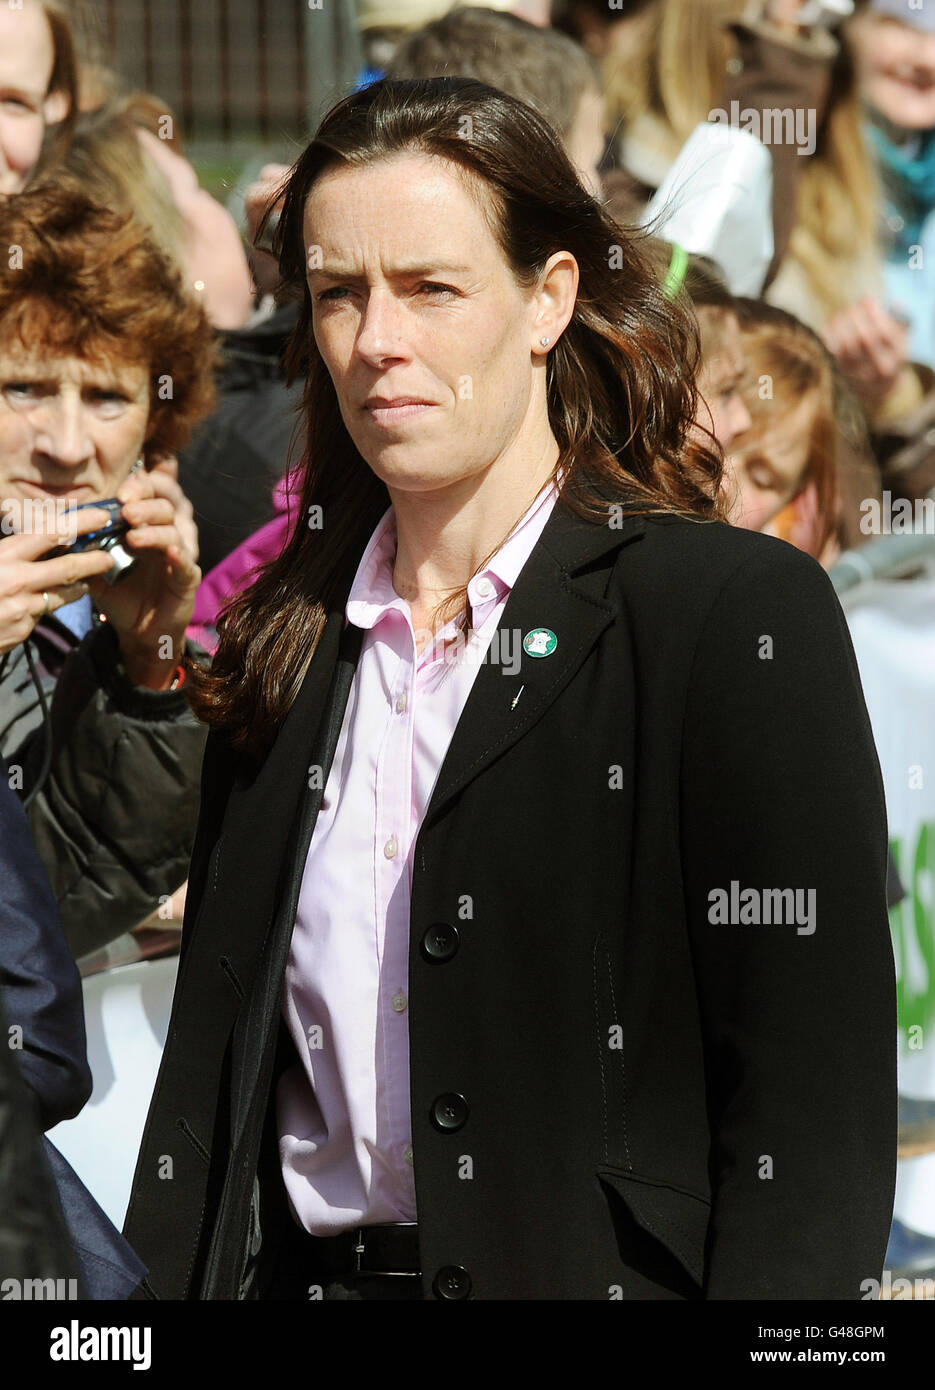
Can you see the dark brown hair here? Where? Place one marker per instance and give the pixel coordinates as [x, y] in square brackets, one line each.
[620, 379]
[90, 283]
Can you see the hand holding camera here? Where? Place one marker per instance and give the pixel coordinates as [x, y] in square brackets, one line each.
[150, 606]
[32, 584]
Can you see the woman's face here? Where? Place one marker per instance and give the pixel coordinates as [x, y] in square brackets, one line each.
[68, 428]
[721, 407]
[217, 264]
[769, 462]
[26, 59]
[896, 67]
[411, 297]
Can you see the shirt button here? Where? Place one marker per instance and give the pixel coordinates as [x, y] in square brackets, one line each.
[407, 1154]
[400, 1002]
[389, 849]
[401, 702]
[484, 588]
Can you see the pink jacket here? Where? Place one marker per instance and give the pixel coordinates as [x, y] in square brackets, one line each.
[238, 570]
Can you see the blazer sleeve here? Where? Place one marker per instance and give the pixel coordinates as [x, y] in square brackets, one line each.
[781, 789]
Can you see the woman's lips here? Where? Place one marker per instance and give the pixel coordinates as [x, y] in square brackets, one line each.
[394, 414]
[46, 491]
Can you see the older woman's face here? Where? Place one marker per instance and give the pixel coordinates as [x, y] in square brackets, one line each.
[26, 58]
[412, 299]
[68, 428]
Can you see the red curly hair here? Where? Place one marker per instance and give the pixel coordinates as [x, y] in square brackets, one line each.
[79, 280]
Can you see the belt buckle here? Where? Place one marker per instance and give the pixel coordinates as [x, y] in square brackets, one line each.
[359, 1248]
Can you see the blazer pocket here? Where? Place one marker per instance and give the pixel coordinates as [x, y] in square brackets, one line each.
[677, 1219]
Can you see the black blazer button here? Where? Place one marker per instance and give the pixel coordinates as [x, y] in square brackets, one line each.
[449, 1112]
[440, 942]
[452, 1282]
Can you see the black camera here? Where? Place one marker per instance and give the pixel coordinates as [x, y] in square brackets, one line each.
[107, 538]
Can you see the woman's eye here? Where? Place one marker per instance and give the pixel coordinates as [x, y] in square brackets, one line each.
[20, 390]
[19, 104]
[428, 285]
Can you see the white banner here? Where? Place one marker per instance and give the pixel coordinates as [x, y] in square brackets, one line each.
[892, 624]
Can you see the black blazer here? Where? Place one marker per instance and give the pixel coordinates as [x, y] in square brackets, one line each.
[655, 1105]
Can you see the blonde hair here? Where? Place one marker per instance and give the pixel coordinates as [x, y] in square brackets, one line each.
[107, 158]
[676, 75]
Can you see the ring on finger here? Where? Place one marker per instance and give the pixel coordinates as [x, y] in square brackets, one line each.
[48, 603]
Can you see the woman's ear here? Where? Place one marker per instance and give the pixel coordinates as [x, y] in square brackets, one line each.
[55, 107]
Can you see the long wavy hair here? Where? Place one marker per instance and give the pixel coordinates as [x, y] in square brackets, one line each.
[619, 381]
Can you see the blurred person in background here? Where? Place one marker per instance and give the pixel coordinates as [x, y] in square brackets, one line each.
[105, 365]
[895, 49]
[827, 267]
[698, 285]
[383, 24]
[117, 154]
[804, 466]
[721, 406]
[38, 88]
[688, 61]
[542, 67]
[828, 264]
[233, 466]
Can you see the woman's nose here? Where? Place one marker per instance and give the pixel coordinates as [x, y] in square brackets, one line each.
[740, 419]
[62, 432]
[380, 328]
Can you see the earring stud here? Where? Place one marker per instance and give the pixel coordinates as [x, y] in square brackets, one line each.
[544, 342]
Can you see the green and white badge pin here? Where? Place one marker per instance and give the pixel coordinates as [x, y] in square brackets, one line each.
[540, 642]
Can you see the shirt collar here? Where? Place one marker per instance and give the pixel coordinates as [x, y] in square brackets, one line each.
[372, 594]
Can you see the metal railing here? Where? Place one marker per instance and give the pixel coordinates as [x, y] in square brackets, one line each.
[232, 69]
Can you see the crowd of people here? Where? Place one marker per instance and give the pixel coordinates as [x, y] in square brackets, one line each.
[153, 352]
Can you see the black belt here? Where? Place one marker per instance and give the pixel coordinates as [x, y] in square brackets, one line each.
[388, 1249]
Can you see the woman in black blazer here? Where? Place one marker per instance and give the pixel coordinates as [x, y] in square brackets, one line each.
[650, 995]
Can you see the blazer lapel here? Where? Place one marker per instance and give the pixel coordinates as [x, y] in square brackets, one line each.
[503, 705]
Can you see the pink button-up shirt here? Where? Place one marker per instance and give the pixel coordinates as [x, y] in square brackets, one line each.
[343, 1109]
